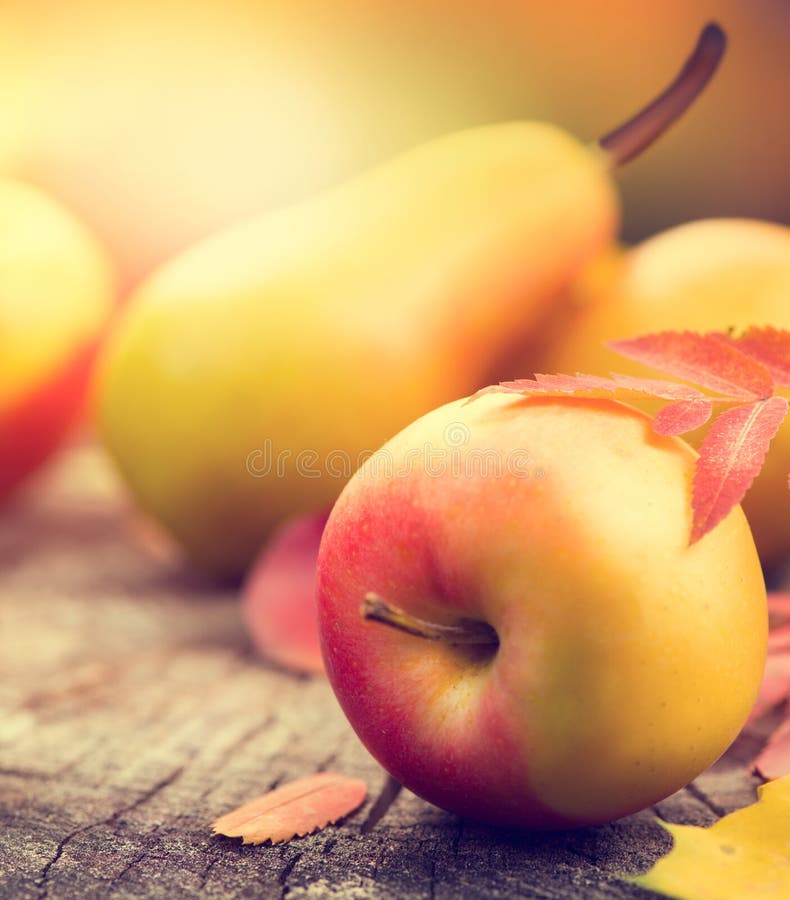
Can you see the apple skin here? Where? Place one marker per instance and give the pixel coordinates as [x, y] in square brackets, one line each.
[628, 661]
[35, 425]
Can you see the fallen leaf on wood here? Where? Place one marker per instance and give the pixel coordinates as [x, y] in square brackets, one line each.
[278, 597]
[294, 810]
[730, 458]
[774, 759]
[774, 688]
[744, 855]
[779, 607]
[779, 640]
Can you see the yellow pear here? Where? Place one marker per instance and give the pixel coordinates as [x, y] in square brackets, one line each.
[253, 373]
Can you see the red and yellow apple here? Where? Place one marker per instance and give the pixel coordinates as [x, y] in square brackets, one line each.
[608, 662]
[56, 294]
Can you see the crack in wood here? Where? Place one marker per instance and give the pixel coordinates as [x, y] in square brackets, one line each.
[245, 737]
[286, 873]
[703, 798]
[432, 880]
[326, 762]
[207, 873]
[379, 859]
[43, 880]
[387, 796]
[25, 773]
[136, 859]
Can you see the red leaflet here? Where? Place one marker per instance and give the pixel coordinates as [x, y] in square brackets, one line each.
[595, 385]
[293, 810]
[682, 416]
[779, 607]
[737, 369]
[774, 761]
[779, 642]
[769, 346]
[666, 390]
[775, 685]
[730, 458]
[704, 359]
[278, 598]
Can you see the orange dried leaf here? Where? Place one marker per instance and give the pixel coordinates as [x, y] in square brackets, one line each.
[744, 855]
[682, 416]
[704, 359]
[769, 346]
[730, 458]
[294, 810]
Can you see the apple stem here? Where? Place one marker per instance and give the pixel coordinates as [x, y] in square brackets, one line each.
[639, 132]
[467, 631]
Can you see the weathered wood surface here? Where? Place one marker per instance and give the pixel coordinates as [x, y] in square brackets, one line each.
[132, 713]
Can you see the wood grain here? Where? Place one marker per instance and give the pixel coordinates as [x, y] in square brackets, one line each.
[133, 713]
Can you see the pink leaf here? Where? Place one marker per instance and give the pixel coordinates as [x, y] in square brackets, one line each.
[779, 642]
[769, 346]
[774, 687]
[682, 416]
[730, 457]
[278, 598]
[774, 761]
[779, 606]
[595, 385]
[704, 359]
[658, 387]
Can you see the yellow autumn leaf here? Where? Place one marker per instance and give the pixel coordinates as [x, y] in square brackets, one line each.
[744, 854]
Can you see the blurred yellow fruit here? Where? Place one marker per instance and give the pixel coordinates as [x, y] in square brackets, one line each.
[160, 123]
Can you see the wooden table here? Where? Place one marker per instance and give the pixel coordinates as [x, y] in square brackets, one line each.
[133, 712]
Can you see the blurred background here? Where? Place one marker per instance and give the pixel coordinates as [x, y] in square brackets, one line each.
[159, 123]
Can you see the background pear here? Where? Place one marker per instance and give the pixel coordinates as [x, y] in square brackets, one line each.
[252, 374]
[162, 122]
[709, 275]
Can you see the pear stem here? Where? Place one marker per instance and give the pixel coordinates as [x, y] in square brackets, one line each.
[639, 132]
[467, 631]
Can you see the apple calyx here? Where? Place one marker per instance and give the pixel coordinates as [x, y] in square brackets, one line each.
[640, 131]
[466, 632]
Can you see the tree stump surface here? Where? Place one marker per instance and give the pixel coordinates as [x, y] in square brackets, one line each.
[133, 712]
